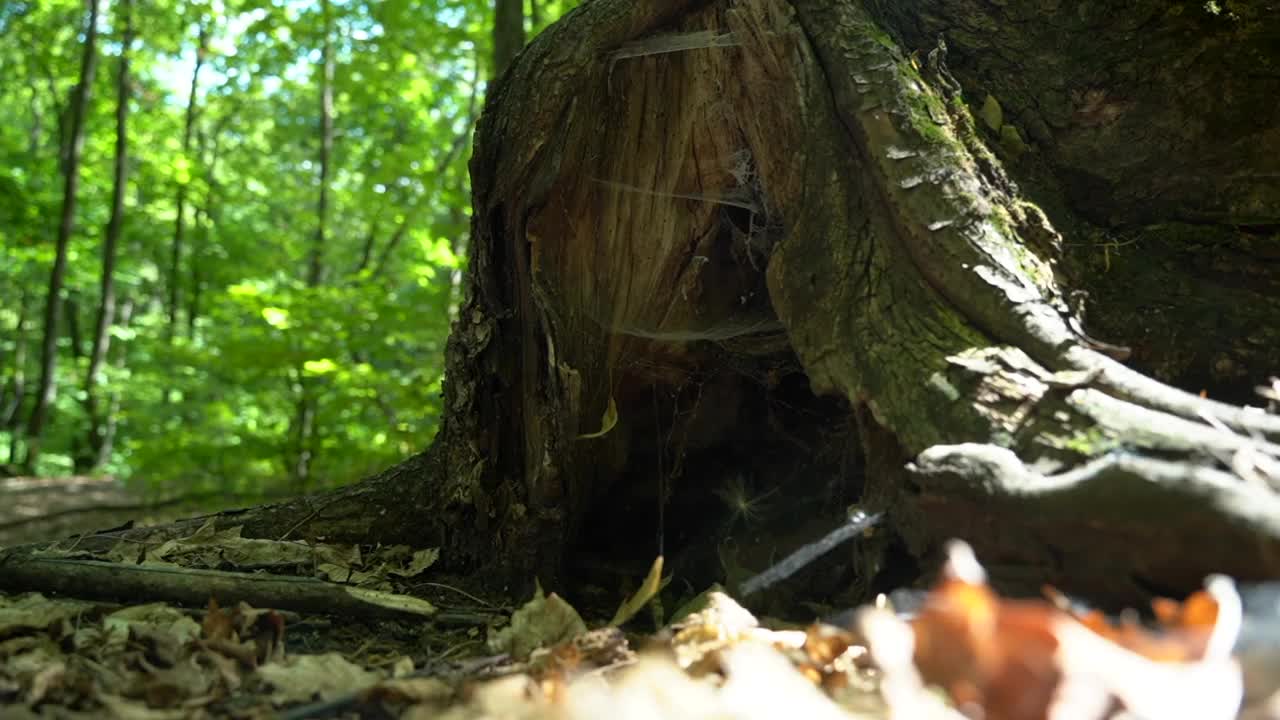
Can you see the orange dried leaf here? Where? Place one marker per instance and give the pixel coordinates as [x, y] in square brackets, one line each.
[1184, 627]
[986, 652]
[994, 654]
[1006, 659]
[1199, 610]
[217, 624]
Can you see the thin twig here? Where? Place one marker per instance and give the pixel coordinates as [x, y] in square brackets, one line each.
[460, 591]
[857, 523]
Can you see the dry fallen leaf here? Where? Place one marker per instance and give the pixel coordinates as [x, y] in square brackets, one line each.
[1003, 659]
[543, 621]
[310, 677]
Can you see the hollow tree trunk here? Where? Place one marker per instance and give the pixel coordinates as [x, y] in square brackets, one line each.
[722, 169]
[735, 265]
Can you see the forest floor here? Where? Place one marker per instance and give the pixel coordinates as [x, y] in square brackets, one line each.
[33, 509]
[36, 508]
[221, 626]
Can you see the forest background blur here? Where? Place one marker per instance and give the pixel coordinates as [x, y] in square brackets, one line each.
[232, 232]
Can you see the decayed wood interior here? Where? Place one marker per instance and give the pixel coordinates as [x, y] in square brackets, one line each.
[647, 264]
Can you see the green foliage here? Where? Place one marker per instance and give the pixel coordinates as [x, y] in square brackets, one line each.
[213, 399]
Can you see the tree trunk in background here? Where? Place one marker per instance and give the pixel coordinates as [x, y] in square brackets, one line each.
[37, 119]
[16, 384]
[508, 33]
[79, 109]
[176, 247]
[535, 15]
[207, 217]
[80, 454]
[388, 250]
[98, 424]
[194, 307]
[366, 248]
[304, 420]
[71, 311]
[107, 438]
[736, 265]
[315, 263]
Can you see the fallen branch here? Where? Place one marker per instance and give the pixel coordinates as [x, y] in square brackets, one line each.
[98, 580]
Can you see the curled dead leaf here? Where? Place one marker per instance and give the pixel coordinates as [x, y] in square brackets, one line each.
[1004, 659]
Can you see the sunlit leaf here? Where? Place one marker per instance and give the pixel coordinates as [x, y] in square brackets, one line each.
[319, 367]
[276, 317]
[650, 587]
[439, 251]
[607, 422]
[182, 170]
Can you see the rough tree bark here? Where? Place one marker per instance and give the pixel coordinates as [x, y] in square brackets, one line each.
[737, 264]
